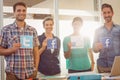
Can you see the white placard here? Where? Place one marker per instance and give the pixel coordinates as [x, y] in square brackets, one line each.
[77, 42]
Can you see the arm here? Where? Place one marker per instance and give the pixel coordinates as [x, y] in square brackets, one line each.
[97, 46]
[9, 51]
[44, 44]
[92, 59]
[36, 57]
[67, 54]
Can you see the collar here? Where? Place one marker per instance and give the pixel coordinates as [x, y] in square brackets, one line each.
[43, 34]
[113, 25]
[16, 27]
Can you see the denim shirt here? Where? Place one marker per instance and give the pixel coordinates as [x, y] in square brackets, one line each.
[111, 47]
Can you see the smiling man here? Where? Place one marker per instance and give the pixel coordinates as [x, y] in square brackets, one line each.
[21, 62]
[107, 40]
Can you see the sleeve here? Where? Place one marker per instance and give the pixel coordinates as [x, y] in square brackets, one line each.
[35, 39]
[65, 44]
[3, 38]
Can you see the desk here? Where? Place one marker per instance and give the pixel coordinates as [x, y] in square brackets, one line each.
[53, 78]
[105, 76]
[111, 78]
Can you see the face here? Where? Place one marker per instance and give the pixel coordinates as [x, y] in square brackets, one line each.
[48, 26]
[76, 26]
[107, 14]
[20, 13]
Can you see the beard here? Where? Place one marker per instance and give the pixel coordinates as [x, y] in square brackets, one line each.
[20, 18]
[108, 19]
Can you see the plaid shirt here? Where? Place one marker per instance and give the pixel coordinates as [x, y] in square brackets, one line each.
[21, 63]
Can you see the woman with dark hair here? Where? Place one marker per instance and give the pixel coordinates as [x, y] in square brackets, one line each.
[49, 50]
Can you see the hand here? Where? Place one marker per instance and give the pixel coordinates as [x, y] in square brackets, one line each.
[16, 46]
[69, 45]
[67, 54]
[44, 43]
[92, 66]
[98, 46]
[34, 74]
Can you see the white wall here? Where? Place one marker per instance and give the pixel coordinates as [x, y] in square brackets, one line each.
[68, 4]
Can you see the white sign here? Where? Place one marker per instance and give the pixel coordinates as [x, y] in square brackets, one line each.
[77, 42]
[26, 41]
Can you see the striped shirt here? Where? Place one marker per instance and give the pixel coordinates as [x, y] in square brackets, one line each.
[21, 62]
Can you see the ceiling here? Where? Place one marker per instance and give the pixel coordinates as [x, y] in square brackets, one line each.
[29, 3]
[36, 3]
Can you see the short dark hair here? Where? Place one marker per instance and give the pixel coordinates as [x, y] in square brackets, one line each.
[77, 19]
[47, 19]
[105, 5]
[18, 3]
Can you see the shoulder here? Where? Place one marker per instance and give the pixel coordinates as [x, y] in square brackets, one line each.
[100, 28]
[31, 28]
[117, 26]
[57, 37]
[7, 27]
[41, 37]
[67, 37]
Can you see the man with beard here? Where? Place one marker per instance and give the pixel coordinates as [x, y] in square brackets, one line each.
[21, 57]
[107, 40]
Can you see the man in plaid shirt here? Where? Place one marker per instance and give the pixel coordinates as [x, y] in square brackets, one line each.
[22, 58]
